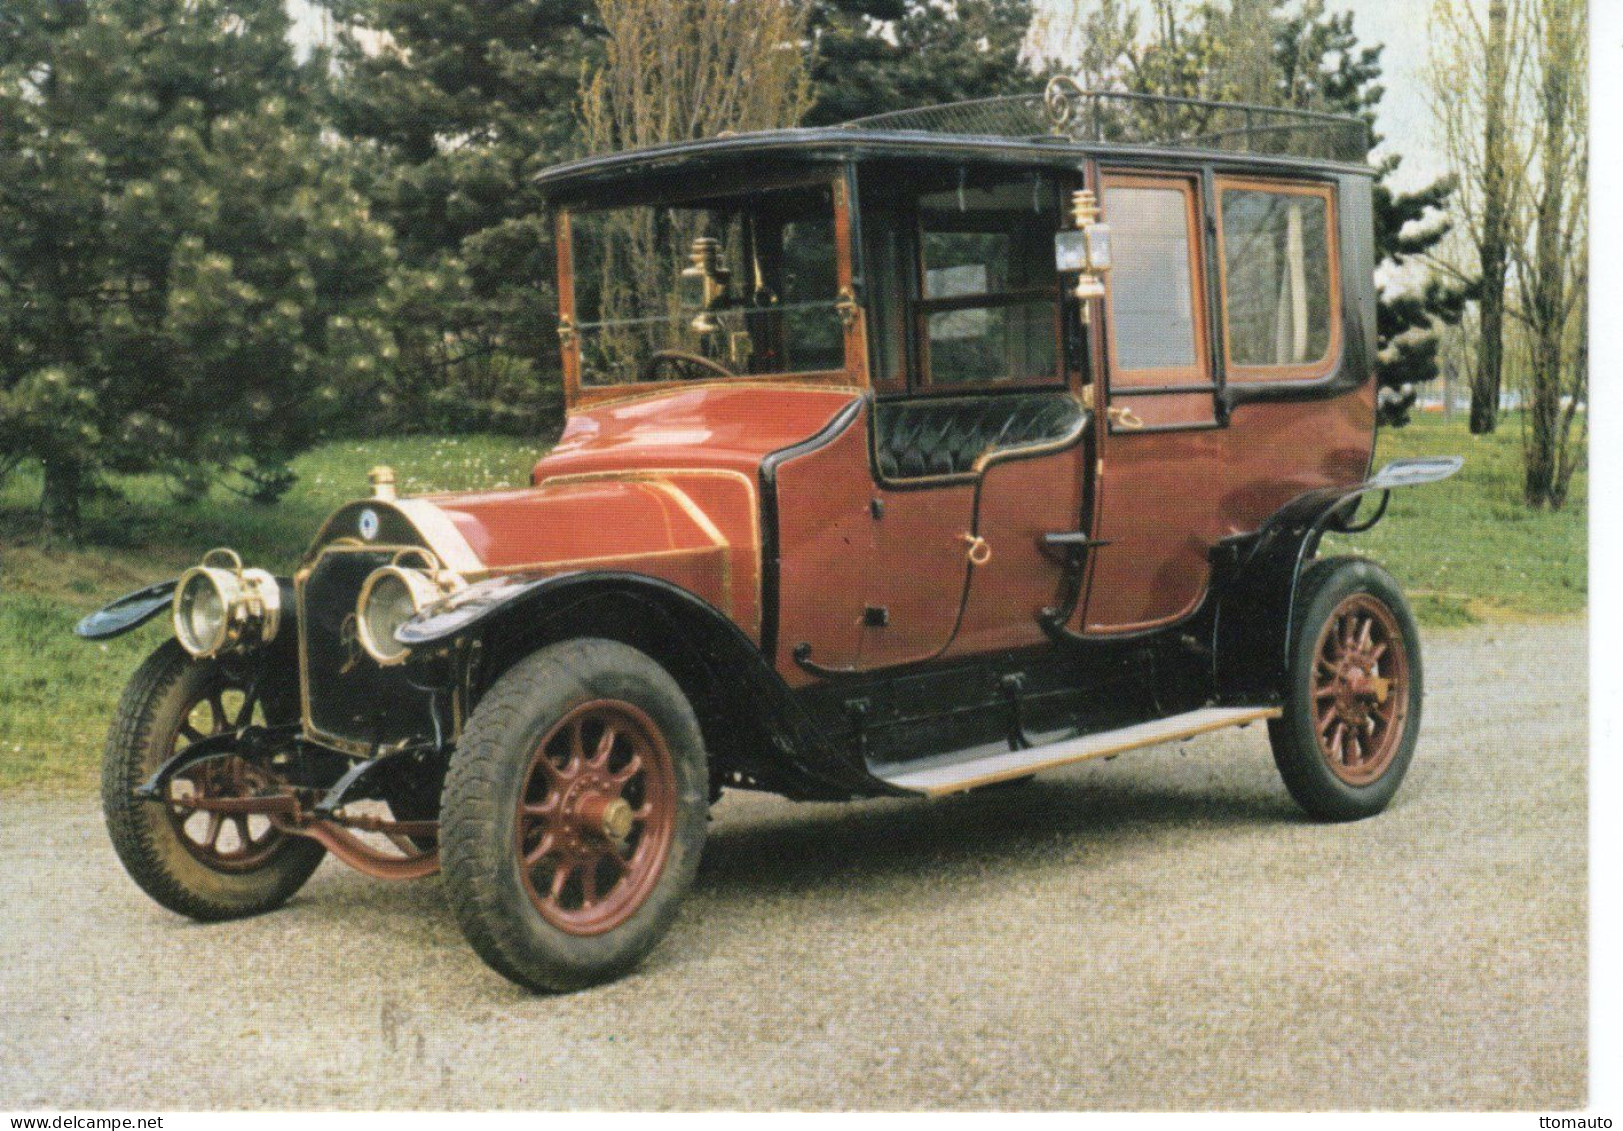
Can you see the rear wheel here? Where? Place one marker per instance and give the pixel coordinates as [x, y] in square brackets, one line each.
[1352, 709]
[574, 815]
[194, 860]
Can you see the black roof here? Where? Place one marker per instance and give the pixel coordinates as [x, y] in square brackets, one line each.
[1058, 129]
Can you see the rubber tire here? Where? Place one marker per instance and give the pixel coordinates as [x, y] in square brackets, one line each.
[481, 801]
[1307, 776]
[147, 844]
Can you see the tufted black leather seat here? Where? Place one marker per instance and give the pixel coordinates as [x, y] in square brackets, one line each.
[946, 435]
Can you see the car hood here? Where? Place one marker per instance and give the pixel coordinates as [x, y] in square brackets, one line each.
[716, 425]
[666, 487]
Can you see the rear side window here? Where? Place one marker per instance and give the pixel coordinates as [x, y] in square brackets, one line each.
[1281, 301]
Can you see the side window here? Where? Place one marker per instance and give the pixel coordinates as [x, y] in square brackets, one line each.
[989, 309]
[1157, 327]
[1281, 300]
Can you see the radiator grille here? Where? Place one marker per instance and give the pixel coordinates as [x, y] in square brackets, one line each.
[349, 701]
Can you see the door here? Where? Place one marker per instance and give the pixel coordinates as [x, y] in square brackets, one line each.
[1158, 442]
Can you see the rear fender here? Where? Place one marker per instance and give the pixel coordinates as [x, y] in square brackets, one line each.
[1257, 575]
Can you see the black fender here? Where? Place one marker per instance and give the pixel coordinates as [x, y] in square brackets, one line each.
[1256, 576]
[129, 612]
[511, 615]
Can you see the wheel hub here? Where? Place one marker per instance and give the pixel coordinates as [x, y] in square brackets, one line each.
[1358, 689]
[597, 816]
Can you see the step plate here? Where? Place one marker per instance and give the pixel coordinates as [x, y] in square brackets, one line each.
[934, 777]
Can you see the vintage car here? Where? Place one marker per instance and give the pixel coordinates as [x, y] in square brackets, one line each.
[906, 457]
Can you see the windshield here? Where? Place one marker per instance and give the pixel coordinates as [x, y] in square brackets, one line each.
[724, 287]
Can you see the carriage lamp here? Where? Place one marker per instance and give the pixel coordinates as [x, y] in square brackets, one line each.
[392, 595]
[219, 606]
[1084, 250]
[714, 280]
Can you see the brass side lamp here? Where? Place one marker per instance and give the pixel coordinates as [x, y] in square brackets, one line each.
[1085, 250]
[715, 282]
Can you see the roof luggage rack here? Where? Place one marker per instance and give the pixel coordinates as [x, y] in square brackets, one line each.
[1066, 110]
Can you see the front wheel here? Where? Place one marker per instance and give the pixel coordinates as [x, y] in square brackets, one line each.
[202, 861]
[574, 815]
[1352, 705]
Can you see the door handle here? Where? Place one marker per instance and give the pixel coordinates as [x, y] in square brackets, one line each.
[1124, 418]
[980, 550]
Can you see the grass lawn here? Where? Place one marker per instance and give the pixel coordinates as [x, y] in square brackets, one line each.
[1465, 550]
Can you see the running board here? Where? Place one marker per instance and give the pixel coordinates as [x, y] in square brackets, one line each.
[953, 773]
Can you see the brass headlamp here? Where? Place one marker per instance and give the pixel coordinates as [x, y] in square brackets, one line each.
[220, 607]
[395, 593]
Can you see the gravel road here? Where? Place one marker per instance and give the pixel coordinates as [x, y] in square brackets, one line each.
[1161, 931]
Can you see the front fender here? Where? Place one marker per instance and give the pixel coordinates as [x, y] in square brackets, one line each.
[1259, 574]
[133, 610]
[129, 612]
[674, 626]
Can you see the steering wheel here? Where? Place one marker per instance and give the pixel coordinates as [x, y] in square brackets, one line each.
[688, 366]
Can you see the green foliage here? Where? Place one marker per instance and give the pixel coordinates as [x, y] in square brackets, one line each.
[56, 691]
[187, 274]
[872, 56]
[1467, 549]
[461, 104]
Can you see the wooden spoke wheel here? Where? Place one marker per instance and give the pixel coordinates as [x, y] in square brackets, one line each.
[575, 812]
[1360, 689]
[223, 841]
[1353, 692]
[190, 852]
[596, 817]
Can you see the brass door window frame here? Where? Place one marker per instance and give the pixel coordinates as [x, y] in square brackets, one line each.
[1161, 378]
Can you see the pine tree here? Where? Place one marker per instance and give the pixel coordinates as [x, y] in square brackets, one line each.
[187, 275]
[463, 104]
[873, 56]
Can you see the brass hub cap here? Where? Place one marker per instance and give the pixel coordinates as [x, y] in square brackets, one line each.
[1360, 689]
[597, 817]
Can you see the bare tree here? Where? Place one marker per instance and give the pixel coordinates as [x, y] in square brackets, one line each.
[1551, 268]
[679, 70]
[1521, 151]
[1477, 74]
[676, 70]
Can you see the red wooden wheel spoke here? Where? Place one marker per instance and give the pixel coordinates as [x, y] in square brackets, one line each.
[1359, 689]
[560, 879]
[229, 778]
[575, 814]
[543, 846]
[605, 747]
